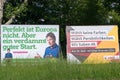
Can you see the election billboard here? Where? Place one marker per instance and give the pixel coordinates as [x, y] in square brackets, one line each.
[92, 44]
[28, 41]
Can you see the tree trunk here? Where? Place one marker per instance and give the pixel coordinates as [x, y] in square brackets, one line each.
[1, 10]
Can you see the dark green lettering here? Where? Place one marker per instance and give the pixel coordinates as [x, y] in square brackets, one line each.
[23, 46]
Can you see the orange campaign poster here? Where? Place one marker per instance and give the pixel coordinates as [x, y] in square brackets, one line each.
[92, 44]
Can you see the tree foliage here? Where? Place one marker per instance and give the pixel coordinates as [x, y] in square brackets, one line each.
[113, 8]
[14, 9]
[63, 12]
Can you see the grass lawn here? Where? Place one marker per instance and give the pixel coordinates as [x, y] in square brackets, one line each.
[57, 70]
